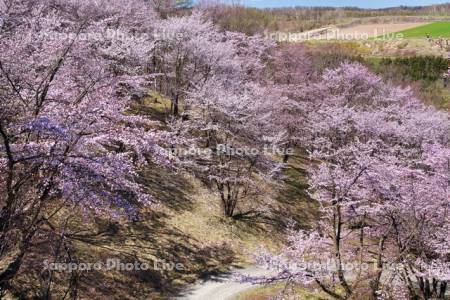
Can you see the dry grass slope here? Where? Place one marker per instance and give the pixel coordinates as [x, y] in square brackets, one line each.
[186, 227]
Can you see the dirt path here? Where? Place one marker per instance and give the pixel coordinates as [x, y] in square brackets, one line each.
[365, 31]
[374, 30]
[222, 287]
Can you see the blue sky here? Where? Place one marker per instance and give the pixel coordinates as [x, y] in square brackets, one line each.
[358, 3]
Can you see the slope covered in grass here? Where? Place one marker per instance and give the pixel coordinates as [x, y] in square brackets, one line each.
[187, 227]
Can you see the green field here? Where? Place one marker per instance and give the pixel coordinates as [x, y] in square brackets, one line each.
[435, 30]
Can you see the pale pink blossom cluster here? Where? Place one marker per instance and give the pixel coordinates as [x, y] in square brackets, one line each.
[380, 170]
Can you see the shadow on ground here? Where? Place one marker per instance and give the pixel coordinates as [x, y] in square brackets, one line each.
[293, 202]
[170, 189]
[174, 259]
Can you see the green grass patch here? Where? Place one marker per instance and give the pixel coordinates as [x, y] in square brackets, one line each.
[434, 30]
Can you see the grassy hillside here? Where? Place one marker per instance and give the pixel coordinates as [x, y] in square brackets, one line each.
[186, 227]
[434, 30]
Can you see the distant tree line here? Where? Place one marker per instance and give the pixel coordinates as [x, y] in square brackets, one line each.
[236, 17]
[169, 7]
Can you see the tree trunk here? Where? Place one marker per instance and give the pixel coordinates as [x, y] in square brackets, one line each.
[11, 271]
[175, 105]
[442, 290]
[13, 267]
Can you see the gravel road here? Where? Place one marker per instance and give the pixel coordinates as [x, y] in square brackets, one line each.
[222, 287]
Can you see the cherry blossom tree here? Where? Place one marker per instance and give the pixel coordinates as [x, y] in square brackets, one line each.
[380, 174]
[231, 120]
[289, 71]
[190, 50]
[291, 64]
[68, 71]
[379, 170]
[214, 73]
